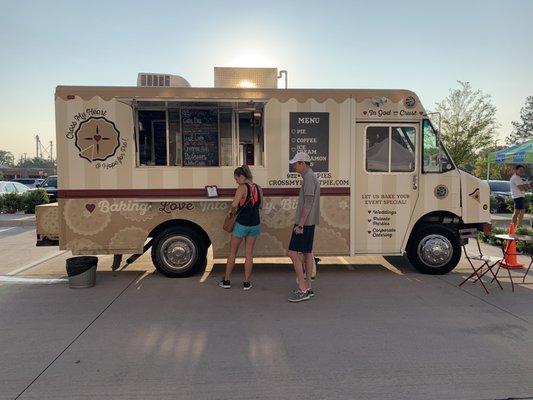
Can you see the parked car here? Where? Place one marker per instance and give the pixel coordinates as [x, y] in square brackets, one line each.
[500, 193]
[32, 183]
[12, 187]
[50, 185]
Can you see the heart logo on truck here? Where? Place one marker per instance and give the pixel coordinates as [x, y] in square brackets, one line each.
[90, 207]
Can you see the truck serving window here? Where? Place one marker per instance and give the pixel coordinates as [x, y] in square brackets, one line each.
[390, 148]
[435, 157]
[199, 134]
[152, 137]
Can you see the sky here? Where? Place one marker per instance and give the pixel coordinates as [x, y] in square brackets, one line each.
[424, 46]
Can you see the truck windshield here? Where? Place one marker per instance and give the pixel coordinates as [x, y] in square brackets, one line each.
[435, 157]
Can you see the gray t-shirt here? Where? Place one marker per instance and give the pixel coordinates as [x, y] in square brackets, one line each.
[310, 187]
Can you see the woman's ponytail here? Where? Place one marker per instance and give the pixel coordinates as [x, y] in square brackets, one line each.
[243, 170]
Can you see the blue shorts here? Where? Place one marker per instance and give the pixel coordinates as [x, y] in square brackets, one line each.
[519, 203]
[244, 231]
[303, 243]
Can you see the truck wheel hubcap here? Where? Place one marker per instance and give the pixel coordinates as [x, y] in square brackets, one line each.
[178, 252]
[435, 250]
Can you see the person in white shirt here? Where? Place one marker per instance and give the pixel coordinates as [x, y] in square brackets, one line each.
[518, 191]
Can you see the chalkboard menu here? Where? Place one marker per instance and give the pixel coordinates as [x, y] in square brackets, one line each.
[309, 132]
[200, 137]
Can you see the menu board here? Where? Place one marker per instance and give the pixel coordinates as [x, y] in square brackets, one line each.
[200, 137]
[309, 132]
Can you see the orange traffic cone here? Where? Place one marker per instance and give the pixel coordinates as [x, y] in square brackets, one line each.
[510, 261]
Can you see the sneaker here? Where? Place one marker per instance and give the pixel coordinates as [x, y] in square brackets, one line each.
[224, 284]
[247, 285]
[309, 291]
[298, 296]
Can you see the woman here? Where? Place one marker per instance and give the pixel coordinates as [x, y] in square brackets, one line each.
[247, 202]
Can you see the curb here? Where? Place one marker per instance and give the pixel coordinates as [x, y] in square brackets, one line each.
[23, 221]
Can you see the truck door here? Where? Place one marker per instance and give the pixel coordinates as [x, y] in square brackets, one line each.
[385, 185]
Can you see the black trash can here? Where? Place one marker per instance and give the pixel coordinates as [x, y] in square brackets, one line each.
[81, 271]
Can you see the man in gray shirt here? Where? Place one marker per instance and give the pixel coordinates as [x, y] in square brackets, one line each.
[307, 216]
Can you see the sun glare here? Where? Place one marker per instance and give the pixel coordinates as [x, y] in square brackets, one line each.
[245, 83]
[252, 59]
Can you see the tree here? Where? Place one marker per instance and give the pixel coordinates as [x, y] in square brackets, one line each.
[497, 171]
[6, 158]
[36, 162]
[468, 124]
[522, 130]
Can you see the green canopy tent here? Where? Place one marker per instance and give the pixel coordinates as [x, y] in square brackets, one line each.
[521, 153]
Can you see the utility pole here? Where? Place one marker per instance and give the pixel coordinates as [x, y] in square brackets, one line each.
[40, 150]
[37, 143]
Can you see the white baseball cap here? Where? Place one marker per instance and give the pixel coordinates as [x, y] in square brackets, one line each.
[301, 156]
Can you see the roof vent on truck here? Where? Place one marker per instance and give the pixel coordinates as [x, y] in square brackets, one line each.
[249, 78]
[161, 80]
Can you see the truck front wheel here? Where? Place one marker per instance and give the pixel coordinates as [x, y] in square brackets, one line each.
[434, 250]
[178, 251]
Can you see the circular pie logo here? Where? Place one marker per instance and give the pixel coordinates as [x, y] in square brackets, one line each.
[441, 191]
[97, 139]
[410, 102]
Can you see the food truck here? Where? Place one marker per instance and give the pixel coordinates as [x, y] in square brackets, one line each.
[134, 165]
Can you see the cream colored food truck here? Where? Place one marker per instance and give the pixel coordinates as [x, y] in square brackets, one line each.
[134, 163]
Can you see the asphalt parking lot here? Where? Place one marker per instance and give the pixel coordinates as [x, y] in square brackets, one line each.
[376, 329]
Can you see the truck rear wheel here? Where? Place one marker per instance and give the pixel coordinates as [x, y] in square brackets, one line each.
[178, 251]
[434, 250]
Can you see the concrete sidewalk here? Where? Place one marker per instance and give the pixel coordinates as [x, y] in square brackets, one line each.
[40, 322]
[18, 250]
[503, 220]
[369, 332]
[17, 219]
[375, 329]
